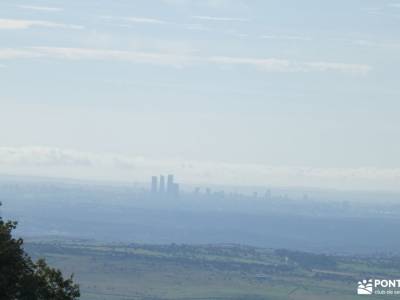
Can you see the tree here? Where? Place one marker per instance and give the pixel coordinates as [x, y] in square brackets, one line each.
[23, 279]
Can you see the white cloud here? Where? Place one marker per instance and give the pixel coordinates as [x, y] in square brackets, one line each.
[145, 20]
[284, 65]
[26, 24]
[223, 3]
[93, 54]
[41, 156]
[10, 53]
[373, 11]
[96, 54]
[175, 2]
[363, 43]
[395, 5]
[42, 160]
[40, 8]
[182, 60]
[339, 67]
[222, 19]
[142, 20]
[208, 3]
[286, 37]
[376, 43]
[270, 64]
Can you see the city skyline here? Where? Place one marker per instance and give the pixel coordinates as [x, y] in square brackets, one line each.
[219, 91]
[157, 187]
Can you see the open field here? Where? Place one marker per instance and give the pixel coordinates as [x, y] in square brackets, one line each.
[116, 272]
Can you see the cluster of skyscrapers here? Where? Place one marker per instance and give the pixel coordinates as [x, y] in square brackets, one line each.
[159, 186]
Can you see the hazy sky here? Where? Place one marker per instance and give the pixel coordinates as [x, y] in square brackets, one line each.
[266, 92]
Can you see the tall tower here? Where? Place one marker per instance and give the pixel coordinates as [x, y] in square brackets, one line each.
[162, 184]
[170, 184]
[154, 183]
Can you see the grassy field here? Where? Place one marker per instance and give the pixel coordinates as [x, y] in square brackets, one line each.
[116, 272]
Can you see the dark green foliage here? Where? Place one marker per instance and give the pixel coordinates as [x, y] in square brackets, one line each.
[23, 279]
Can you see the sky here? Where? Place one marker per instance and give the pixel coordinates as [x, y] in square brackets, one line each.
[288, 93]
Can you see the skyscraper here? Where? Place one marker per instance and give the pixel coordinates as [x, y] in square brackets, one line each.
[162, 184]
[170, 184]
[154, 182]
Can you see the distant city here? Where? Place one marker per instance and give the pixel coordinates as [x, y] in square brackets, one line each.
[158, 186]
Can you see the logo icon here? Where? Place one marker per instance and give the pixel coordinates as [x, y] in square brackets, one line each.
[365, 287]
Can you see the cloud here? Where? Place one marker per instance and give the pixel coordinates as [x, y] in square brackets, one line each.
[42, 156]
[270, 64]
[220, 19]
[142, 20]
[93, 54]
[40, 8]
[176, 2]
[395, 5]
[213, 4]
[191, 2]
[339, 67]
[284, 65]
[373, 11]
[26, 24]
[116, 55]
[286, 37]
[182, 60]
[38, 160]
[10, 53]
